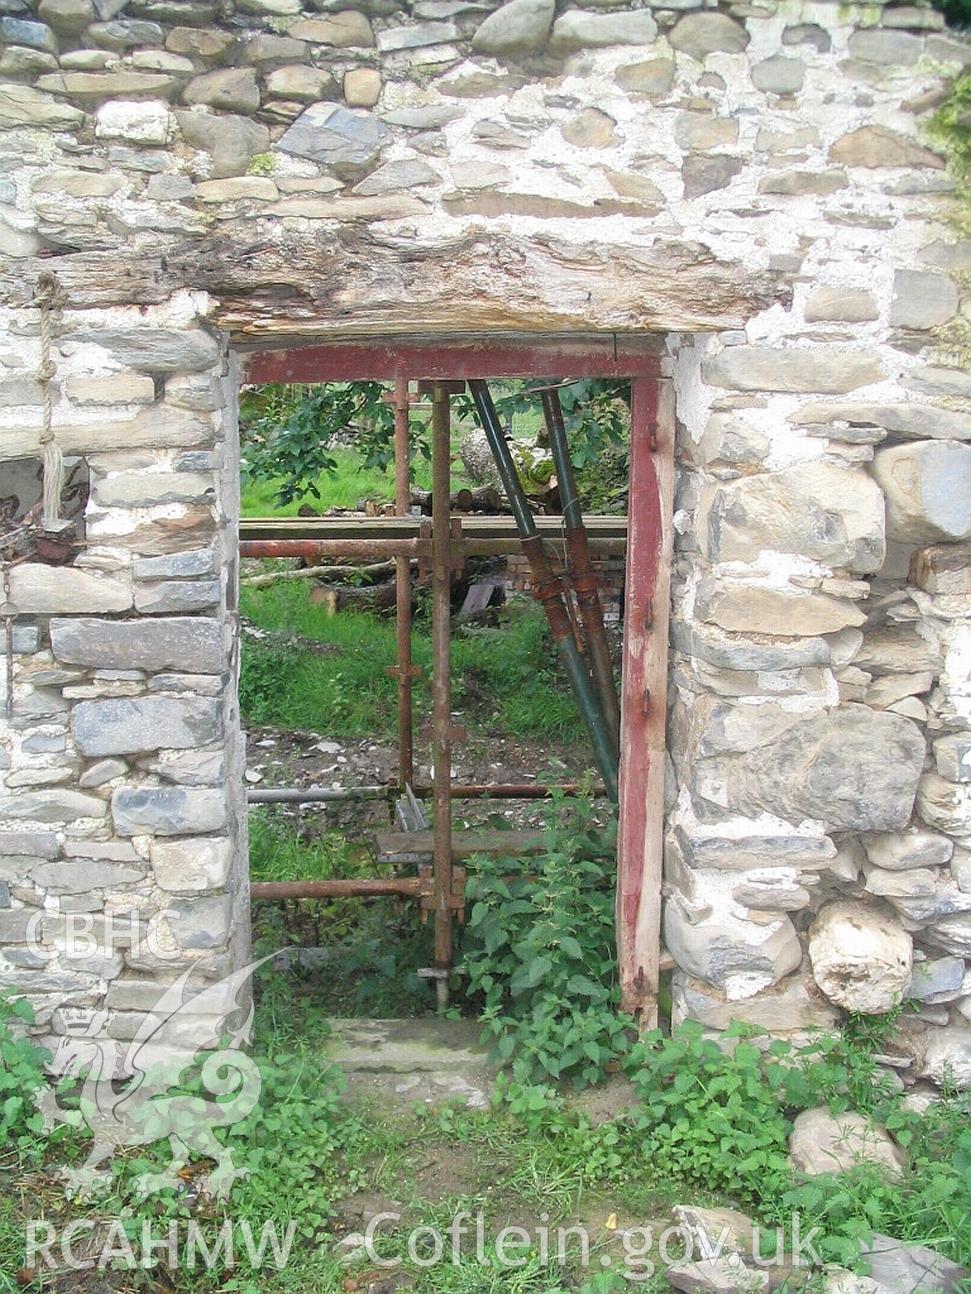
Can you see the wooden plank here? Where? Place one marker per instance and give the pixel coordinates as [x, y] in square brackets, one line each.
[417, 846]
[398, 360]
[644, 698]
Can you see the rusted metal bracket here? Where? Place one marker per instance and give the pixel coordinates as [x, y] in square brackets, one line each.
[399, 671]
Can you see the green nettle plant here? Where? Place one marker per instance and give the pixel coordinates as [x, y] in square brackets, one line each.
[21, 1074]
[540, 949]
[718, 1116]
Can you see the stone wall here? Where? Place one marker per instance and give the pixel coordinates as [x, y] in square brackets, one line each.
[753, 181]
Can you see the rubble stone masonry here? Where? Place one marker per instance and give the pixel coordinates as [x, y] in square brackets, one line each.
[752, 183]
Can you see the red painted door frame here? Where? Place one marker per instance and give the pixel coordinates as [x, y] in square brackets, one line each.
[644, 680]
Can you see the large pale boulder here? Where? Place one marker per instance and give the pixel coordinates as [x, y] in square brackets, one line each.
[823, 1143]
[947, 1057]
[795, 1003]
[912, 847]
[816, 510]
[927, 484]
[861, 957]
[945, 805]
[852, 768]
[740, 957]
[751, 608]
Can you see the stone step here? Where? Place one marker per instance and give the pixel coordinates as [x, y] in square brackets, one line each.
[426, 1045]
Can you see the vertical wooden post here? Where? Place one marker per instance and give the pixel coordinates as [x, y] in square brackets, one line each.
[644, 696]
[441, 686]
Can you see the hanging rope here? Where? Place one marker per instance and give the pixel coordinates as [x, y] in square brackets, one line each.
[49, 298]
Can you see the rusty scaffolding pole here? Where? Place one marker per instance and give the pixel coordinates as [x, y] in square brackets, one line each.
[404, 669]
[442, 684]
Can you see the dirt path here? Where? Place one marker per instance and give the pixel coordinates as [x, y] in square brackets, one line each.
[281, 758]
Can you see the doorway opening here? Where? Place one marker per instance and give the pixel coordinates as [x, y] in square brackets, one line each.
[413, 770]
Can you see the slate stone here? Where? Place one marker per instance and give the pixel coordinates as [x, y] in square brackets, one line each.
[902, 1268]
[831, 304]
[429, 117]
[703, 175]
[952, 756]
[101, 772]
[727, 951]
[825, 1143]
[126, 725]
[14, 924]
[80, 875]
[650, 76]
[888, 48]
[35, 844]
[120, 84]
[590, 128]
[912, 847]
[34, 35]
[190, 644]
[169, 596]
[346, 29]
[125, 32]
[264, 49]
[56, 805]
[362, 87]
[922, 300]
[701, 34]
[304, 84]
[201, 923]
[189, 865]
[702, 130]
[427, 33]
[825, 370]
[26, 639]
[231, 141]
[938, 979]
[519, 26]
[336, 137]
[807, 33]
[54, 590]
[852, 768]
[70, 16]
[779, 75]
[16, 61]
[20, 105]
[190, 767]
[231, 89]
[907, 421]
[577, 29]
[818, 510]
[208, 44]
[799, 183]
[167, 810]
[198, 561]
[927, 484]
[408, 173]
[875, 146]
[145, 489]
[157, 350]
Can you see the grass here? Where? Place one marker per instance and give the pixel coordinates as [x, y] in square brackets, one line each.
[346, 487]
[532, 1160]
[507, 679]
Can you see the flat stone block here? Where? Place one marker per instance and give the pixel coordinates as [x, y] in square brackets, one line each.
[189, 644]
[54, 590]
[167, 811]
[129, 725]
